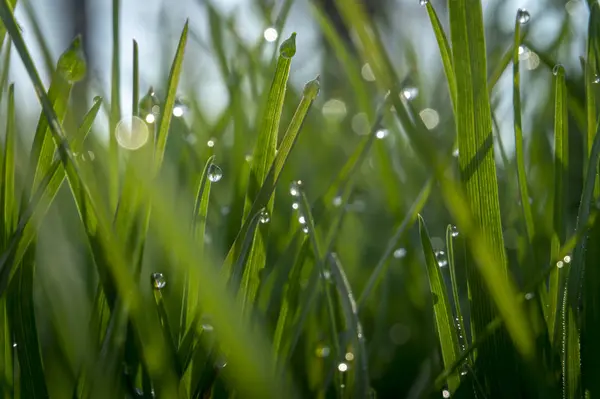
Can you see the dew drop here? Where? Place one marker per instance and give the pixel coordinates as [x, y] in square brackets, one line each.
[382, 133]
[305, 229]
[211, 142]
[560, 264]
[91, 155]
[207, 327]
[14, 345]
[454, 232]
[445, 393]
[567, 259]
[149, 106]
[455, 153]
[221, 362]
[337, 201]
[410, 93]
[295, 206]
[264, 217]
[423, 2]
[180, 108]
[302, 219]
[440, 257]
[296, 188]
[529, 296]
[132, 133]
[349, 356]
[214, 173]
[400, 253]
[158, 281]
[322, 351]
[326, 275]
[523, 16]
[270, 34]
[343, 367]
[596, 79]
[558, 70]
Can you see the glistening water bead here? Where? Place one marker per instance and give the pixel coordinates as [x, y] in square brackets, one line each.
[214, 173]
[423, 2]
[440, 257]
[264, 217]
[132, 133]
[158, 281]
[296, 188]
[523, 16]
[454, 230]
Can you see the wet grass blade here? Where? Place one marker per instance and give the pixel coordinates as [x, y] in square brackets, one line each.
[519, 150]
[7, 191]
[451, 236]
[353, 325]
[442, 307]
[262, 158]
[445, 52]
[311, 91]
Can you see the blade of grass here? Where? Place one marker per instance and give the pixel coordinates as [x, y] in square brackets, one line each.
[442, 307]
[115, 108]
[262, 158]
[8, 206]
[451, 235]
[135, 98]
[11, 4]
[311, 90]
[361, 373]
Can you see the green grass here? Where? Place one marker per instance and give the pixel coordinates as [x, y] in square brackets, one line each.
[267, 251]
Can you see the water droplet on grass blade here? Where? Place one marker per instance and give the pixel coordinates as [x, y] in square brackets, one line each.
[132, 133]
[400, 253]
[305, 229]
[529, 296]
[560, 264]
[596, 79]
[214, 173]
[381, 134]
[349, 356]
[523, 16]
[343, 367]
[179, 109]
[296, 188]
[158, 281]
[337, 201]
[445, 393]
[270, 34]
[423, 2]
[567, 259]
[301, 219]
[440, 257]
[149, 106]
[410, 93]
[454, 231]
[295, 206]
[264, 217]
[558, 70]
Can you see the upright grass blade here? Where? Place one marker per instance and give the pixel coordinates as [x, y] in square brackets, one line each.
[135, 98]
[445, 52]
[561, 169]
[519, 151]
[106, 249]
[115, 107]
[311, 90]
[361, 373]
[8, 206]
[262, 158]
[451, 235]
[442, 307]
[478, 172]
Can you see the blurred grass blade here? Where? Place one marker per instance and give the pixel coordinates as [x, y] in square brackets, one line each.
[11, 4]
[445, 52]
[262, 158]
[361, 373]
[311, 90]
[8, 205]
[41, 38]
[519, 151]
[32, 216]
[135, 98]
[115, 107]
[561, 169]
[442, 308]
[163, 316]
[409, 219]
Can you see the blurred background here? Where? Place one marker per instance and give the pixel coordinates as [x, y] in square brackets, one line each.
[224, 36]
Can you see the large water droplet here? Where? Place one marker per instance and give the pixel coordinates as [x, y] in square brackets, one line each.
[158, 281]
[296, 188]
[214, 173]
[264, 217]
[132, 133]
[440, 257]
[454, 230]
[400, 253]
[523, 16]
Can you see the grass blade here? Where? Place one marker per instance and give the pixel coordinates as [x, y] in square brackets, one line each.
[115, 107]
[262, 158]
[442, 307]
[451, 235]
[7, 191]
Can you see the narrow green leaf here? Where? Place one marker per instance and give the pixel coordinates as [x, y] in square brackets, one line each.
[163, 316]
[311, 91]
[451, 235]
[135, 98]
[361, 373]
[115, 107]
[7, 191]
[442, 308]
[262, 158]
[519, 150]
[11, 4]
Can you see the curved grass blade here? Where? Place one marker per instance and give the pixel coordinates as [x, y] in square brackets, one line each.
[519, 151]
[264, 194]
[445, 52]
[262, 158]
[409, 219]
[8, 207]
[442, 307]
[361, 374]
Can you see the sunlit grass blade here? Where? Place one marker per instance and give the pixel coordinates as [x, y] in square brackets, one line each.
[115, 107]
[262, 158]
[408, 221]
[442, 307]
[452, 235]
[33, 214]
[348, 304]
[561, 168]
[311, 91]
[7, 191]
[445, 52]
